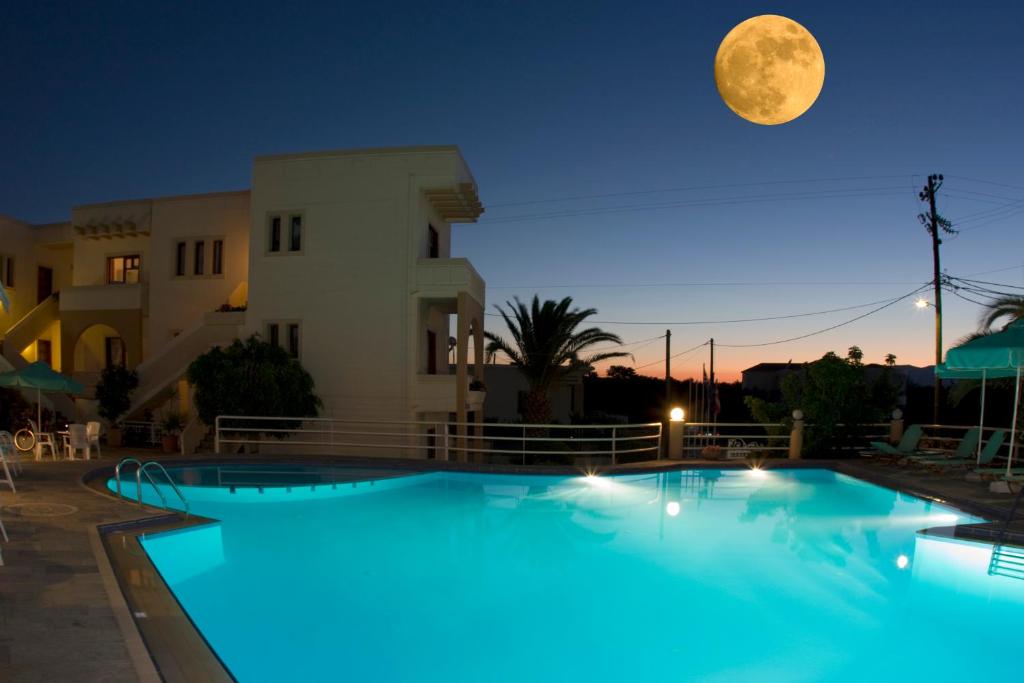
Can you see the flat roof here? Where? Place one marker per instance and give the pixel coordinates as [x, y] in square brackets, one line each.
[365, 151]
[165, 198]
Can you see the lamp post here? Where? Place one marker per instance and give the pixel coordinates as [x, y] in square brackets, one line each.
[676, 423]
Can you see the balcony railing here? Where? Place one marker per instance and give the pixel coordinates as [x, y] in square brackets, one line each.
[446, 277]
[102, 298]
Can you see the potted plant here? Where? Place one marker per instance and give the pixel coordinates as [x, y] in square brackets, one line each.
[711, 452]
[170, 429]
[114, 396]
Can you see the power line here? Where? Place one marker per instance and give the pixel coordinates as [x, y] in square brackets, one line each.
[996, 270]
[727, 322]
[677, 355]
[986, 182]
[833, 327]
[751, 283]
[568, 213]
[691, 188]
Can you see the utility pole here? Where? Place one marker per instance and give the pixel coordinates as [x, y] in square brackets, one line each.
[714, 389]
[934, 222]
[668, 388]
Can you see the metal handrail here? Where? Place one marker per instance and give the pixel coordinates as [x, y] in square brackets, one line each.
[139, 471]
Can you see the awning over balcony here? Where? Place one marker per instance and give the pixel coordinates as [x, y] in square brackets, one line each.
[114, 226]
[459, 204]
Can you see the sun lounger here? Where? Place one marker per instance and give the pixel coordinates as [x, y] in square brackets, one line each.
[967, 446]
[988, 453]
[906, 446]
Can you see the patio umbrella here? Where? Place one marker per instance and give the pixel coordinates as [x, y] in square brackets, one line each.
[994, 355]
[41, 377]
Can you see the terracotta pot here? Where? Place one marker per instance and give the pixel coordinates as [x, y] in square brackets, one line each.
[712, 453]
[114, 437]
[169, 443]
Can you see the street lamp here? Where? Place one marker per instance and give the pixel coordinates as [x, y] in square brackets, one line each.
[923, 303]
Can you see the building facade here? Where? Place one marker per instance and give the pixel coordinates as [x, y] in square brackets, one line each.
[342, 258]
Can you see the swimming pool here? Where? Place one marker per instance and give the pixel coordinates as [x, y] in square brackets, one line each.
[704, 575]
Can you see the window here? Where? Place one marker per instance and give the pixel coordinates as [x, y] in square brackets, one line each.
[115, 351]
[217, 268]
[434, 242]
[123, 270]
[199, 258]
[293, 339]
[273, 333]
[179, 259]
[275, 234]
[8, 273]
[295, 234]
[431, 352]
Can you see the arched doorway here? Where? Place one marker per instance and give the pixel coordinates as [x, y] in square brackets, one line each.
[98, 347]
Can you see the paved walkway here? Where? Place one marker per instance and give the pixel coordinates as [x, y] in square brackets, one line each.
[56, 619]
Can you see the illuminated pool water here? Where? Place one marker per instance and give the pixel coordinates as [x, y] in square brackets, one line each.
[799, 575]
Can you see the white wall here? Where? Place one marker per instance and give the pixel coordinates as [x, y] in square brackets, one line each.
[364, 225]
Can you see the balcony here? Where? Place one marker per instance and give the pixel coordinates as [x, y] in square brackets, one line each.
[444, 278]
[102, 298]
[436, 394]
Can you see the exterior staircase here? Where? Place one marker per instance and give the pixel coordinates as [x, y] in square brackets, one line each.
[159, 375]
[24, 332]
[29, 328]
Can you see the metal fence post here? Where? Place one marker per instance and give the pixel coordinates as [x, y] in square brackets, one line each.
[614, 444]
[444, 428]
[523, 451]
[216, 435]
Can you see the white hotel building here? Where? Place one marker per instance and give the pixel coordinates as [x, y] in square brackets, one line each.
[343, 258]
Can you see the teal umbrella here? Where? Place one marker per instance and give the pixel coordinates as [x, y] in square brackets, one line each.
[41, 377]
[991, 356]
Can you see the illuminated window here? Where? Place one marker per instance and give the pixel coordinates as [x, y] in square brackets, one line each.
[123, 270]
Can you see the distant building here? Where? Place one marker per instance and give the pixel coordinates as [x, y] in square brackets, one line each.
[507, 387]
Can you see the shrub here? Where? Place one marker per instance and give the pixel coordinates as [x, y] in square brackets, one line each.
[114, 391]
[252, 378]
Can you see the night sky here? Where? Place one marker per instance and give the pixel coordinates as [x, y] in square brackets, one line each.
[609, 166]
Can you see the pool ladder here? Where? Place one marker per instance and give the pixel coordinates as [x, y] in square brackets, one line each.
[1007, 561]
[143, 468]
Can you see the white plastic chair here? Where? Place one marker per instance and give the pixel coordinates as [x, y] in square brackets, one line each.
[92, 429]
[5, 469]
[10, 452]
[43, 439]
[78, 440]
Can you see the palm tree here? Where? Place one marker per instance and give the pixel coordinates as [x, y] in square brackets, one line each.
[546, 346]
[1010, 306]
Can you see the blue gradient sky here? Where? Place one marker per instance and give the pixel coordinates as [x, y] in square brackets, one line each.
[121, 100]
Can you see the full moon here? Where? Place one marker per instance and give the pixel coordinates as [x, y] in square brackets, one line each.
[769, 69]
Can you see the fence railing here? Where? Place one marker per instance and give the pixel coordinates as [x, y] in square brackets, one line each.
[733, 440]
[464, 441]
[140, 433]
